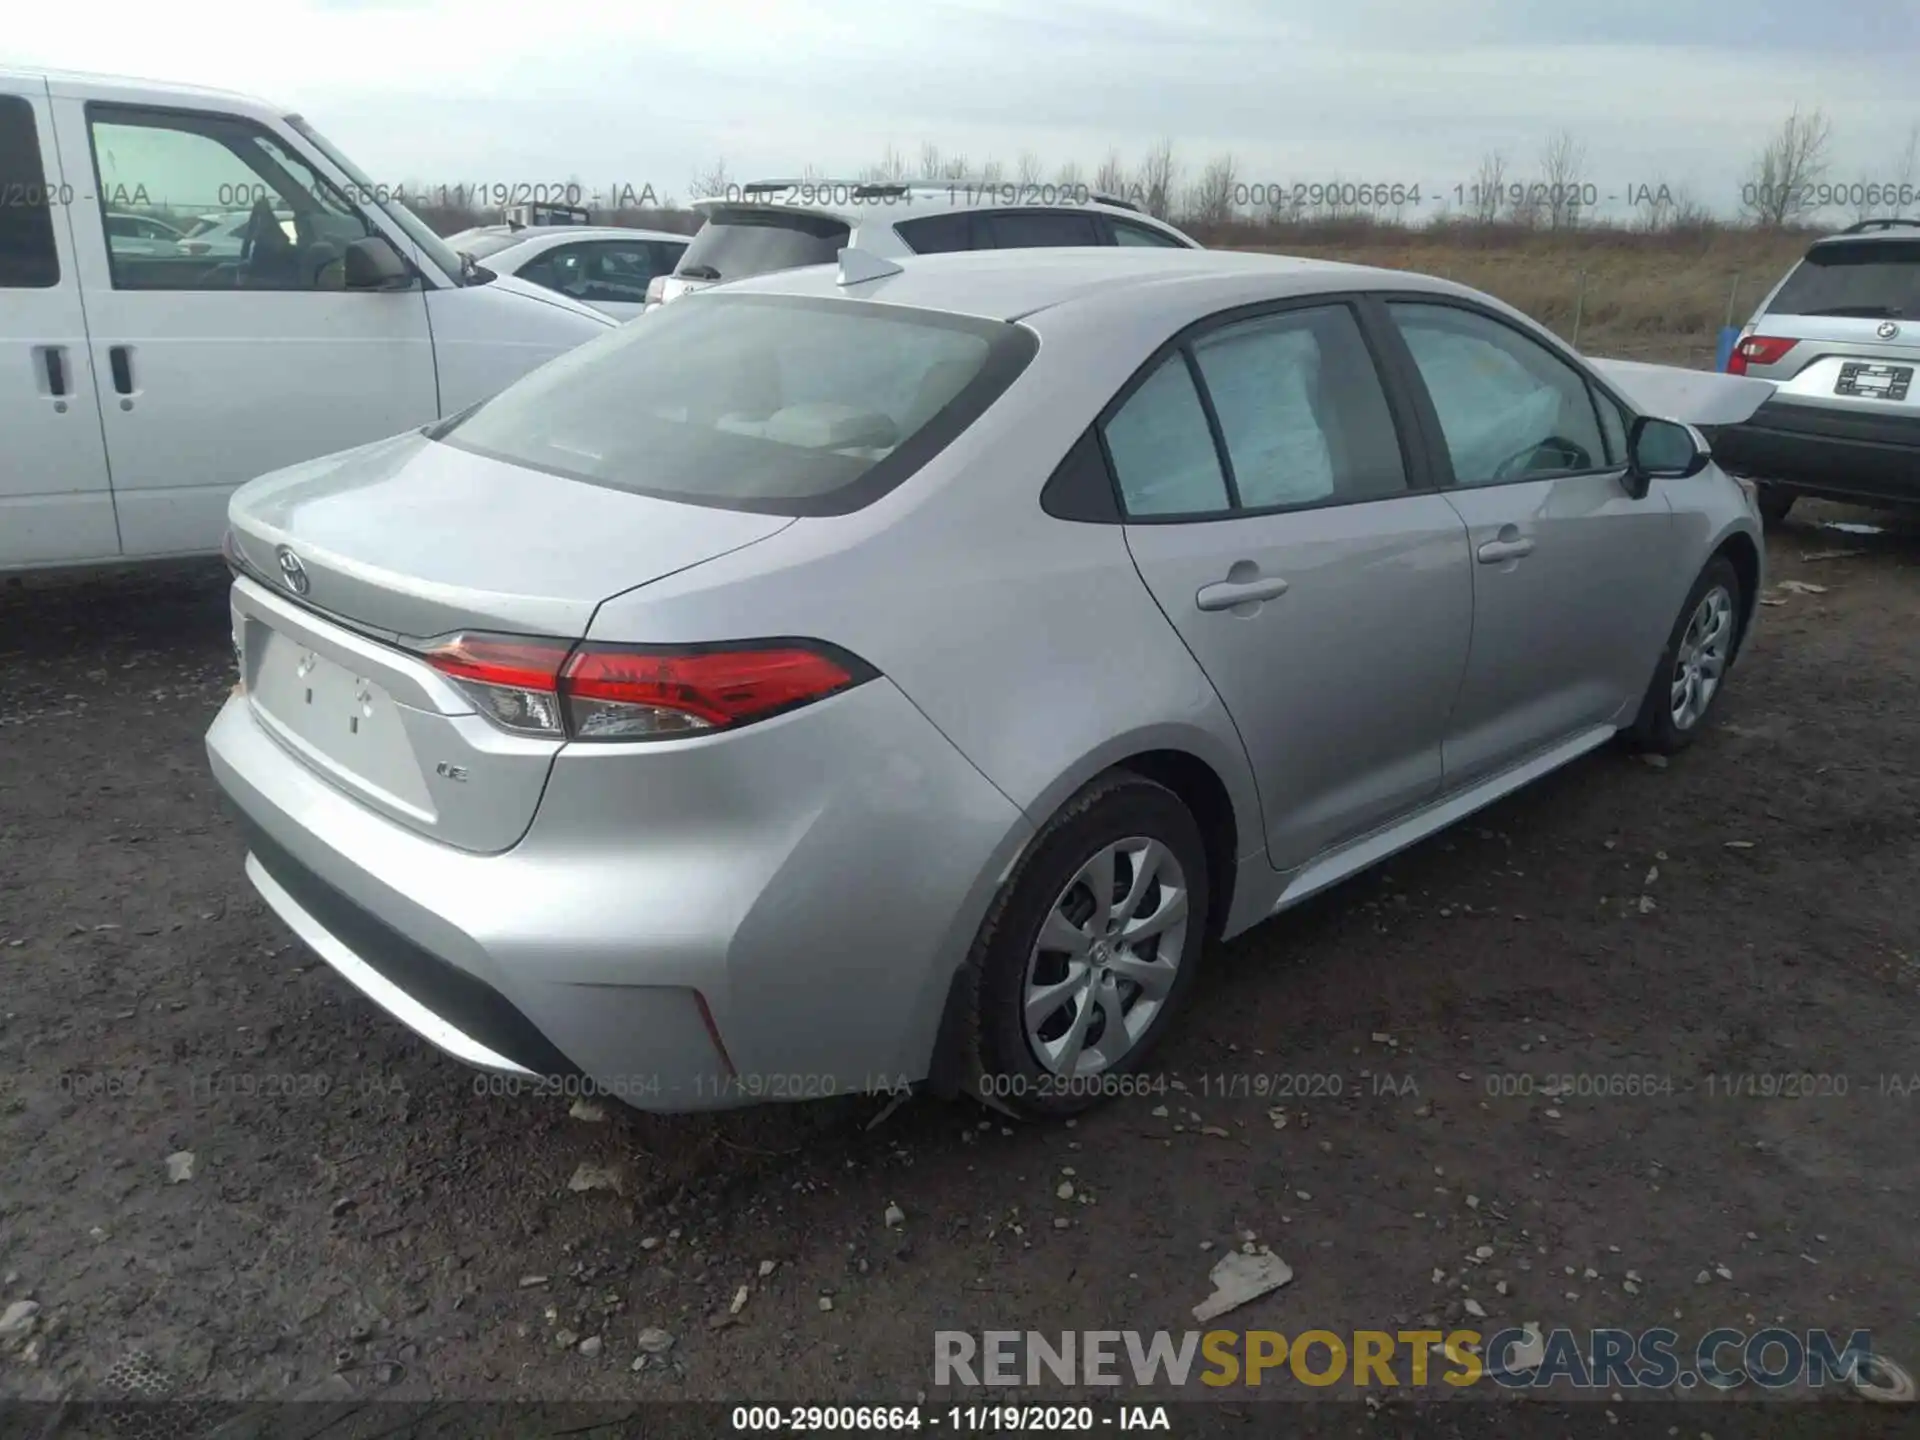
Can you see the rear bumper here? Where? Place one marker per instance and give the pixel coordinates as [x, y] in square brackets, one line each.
[1873, 459]
[771, 915]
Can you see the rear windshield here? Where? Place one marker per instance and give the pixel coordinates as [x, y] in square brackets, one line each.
[738, 242]
[775, 404]
[1873, 279]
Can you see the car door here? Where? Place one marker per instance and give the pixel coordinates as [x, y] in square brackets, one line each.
[55, 501]
[1296, 544]
[1533, 454]
[215, 368]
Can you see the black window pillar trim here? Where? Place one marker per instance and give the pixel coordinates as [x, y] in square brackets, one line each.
[1214, 429]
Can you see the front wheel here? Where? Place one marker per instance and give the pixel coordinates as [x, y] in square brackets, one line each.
[1090, 950]
[1694, 664]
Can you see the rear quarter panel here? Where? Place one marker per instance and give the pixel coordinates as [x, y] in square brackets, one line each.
[1031, 642]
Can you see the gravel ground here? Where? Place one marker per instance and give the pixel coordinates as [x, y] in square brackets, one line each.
[214, 1154]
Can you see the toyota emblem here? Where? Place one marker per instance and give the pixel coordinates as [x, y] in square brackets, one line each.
[1888, 330]
[293, 572]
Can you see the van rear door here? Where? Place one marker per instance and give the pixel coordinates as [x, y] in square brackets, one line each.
[55, 502]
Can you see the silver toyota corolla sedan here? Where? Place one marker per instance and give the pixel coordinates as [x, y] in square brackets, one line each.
[900, 673]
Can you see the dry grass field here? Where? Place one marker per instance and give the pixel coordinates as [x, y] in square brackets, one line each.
[1644, 295]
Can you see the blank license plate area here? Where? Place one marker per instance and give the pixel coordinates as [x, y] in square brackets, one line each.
[1881, 382]
[345, 723]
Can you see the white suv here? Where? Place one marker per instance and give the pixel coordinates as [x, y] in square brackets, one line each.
[782, 224]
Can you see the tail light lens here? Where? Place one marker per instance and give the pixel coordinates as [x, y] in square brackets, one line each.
[1758, 350]
[509, 678]
[639, 692]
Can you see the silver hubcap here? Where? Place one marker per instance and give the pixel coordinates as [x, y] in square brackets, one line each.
[1106, 956]
[1702, 659]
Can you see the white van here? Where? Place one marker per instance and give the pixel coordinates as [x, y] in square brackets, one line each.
[140, 382]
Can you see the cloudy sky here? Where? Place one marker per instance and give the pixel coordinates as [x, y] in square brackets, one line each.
[1396, 91]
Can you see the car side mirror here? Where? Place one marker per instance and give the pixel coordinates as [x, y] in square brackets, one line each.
[1663, 450]
[371, 263]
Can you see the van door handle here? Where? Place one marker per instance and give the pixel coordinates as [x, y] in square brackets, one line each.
[1225, 594]
[1508, 546]
[55, 360]
[121, 359]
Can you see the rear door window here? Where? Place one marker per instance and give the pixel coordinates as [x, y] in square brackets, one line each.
[739, 241]
[937, 234]
[1870, 279]
[1162, 448]
[1031, 229]
[1301, 410]
[1125, 232]
[779, 405]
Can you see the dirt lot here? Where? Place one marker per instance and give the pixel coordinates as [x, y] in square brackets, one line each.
[355, 1206]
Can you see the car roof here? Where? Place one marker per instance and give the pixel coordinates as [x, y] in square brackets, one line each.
[101, 80]
[1013, 284]
[580, 232]
[915, 200]
[1881, 232]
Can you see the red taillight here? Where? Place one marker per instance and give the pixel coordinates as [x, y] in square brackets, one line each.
[630, 692]
[510, 678]
[616, 693]
[1757, 350]
[500, 660]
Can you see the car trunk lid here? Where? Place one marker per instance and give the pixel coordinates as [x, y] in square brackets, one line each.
[348, 565]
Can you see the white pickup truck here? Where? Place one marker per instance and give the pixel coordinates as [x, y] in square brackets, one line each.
[140, 382]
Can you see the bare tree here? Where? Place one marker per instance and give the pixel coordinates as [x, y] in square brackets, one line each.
[1795, 160]
[1069, 178]
[1028, 171]
[955, 167]
[929, 161]
[1563, 164]
[889, 169]
[1906, 173]
[1111, 177]
[1488, 194]
[1210, 198]
[1156, 178]
[992, 173]
[713, 183]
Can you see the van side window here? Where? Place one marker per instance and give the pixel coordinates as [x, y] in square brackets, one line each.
[28, 260]
[250, 212]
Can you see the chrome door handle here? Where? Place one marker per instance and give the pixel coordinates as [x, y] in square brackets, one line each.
[1225, 594]
[1494, 551]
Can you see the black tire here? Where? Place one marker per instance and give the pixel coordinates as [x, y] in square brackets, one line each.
[1003, 1069]
[1655, 729]
[1775, 503]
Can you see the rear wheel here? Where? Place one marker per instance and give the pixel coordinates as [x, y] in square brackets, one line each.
[1090, 950]
[1694, 663]
[1775, 503]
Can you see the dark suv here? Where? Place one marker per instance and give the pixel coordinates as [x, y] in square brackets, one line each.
[1840, 337]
